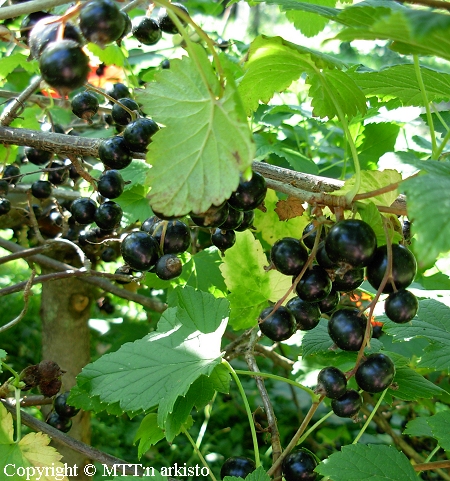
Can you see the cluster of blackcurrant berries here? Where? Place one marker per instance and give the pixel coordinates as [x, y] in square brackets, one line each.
[61, 416]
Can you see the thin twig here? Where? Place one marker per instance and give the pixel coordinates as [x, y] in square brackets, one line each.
[433, 465]
[29, 7]
[26, 299]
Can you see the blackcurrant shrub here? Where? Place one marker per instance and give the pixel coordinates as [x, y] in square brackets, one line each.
[306, 314]
[401, 306]
[278, 325]
[315, 285]
[331, 382]
[288, 255]
[166, 24]
[237, 466]
[346, 328]
[299, 465]
[101, 22]
[404, 268]
[122, 116]
[114, 153]
[376, 373]
[85, 105]
[249, 194]
[110, 184]
[168, 267]
[64, 66]
[62, 408]
[146, 30]
[37, 156]
[351, 241]
[59, 422]
[177, 237]
[83, 210]
[108, 215]
[223, 239]
[138, 134]
[41, 189]
[348, 405]
[140, 250]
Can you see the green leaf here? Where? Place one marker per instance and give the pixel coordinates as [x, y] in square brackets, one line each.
[259, 474]
[9, 64]
[400, 82]
[372, 180]
[440, 426]
[378, 138]
[148, 434]
[333, 89]
[136, 173]
[3, 354]
[109, 55]
[220, 378]
[418, 427]
[436, 328]
[413, 386]
[288, 5]
[200, 394]
[370, 214]
[269, 226]
[201, 167]
[358, 462]
[250, 285]
[160, 367]
[135, 204]
[310, 24]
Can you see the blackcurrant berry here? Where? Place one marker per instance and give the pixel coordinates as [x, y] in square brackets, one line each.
[101, 22]
[177, 237]
[168, 267]
[351, 241]
[140, 250]
[223, 239]
[126, 29]
[376, 373]
[247, 222]
[37, 156]
[299, 465]
[108, 215]
[306, 314]
[58, 422]
[122, 116]
[310, 233]
[109, 254]
[5, 206]
[28, 23]
[330, 302]
[83, 210]
[45, 32]
[85, 105]
[401, 306]
[60, 174]
[166, 24]
[4, 188]
[234, 219]
[315, 285]
[237, 466]
[331, 382]
[213, 217]
[146, 30]
[114, 153]
[278, 325]
[249, 194]
[149, 224]
[64, 66]
[117, 91]
[110, 184]
[11, 174]
[62, 408]
[348, 405]
[165, 64]
[288, 255]
[322, 258]
[349, 281]
[377, 331]
[138, 134]
[346, 328]
[41, 189]
[404, 268]
[124, 271]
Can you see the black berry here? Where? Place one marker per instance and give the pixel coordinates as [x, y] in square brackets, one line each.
[223, 239]
[278, 325]
[315, 285]
[111, 184]
[108, 215]
[41, 189]
[85, 105]
[166, 24]
[331, 382]
[346, 328]
[234, 219]
[122, 116]
[5, 206]
[310, 233]
[114, 153]
[138, 134]
[58, 422]
[140, 250]
[237, 466]
[37, 156]
[348, 405]
[349, 281]
[146, 30]
[376, 373]
[177, 237]
[213, 217]
[62, 408]
[249, 194]
[60, 174]
[83, 210]
[330, 302]
[118, 91]
[288, 255]
[11, 174]
[168, 267]
[247, 222]
[306, 314]
[401, 306]
[299, 465]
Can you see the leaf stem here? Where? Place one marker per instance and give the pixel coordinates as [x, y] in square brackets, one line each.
[372, 414]
[434, 149]
[430, 456]
[248, 410]
[279, 378]
[199, 454]
[18, 415]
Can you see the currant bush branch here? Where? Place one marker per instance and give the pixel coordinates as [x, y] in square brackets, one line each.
[29, 7]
